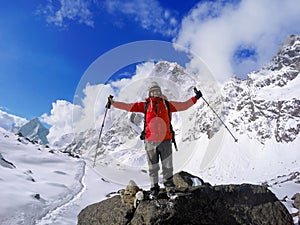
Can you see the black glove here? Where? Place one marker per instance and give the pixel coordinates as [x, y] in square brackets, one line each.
[198, 93]
[109, 102]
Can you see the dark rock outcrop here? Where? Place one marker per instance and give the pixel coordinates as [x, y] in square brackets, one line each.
[5, 163]
[204, 204]
[296, 204]
[296, 199]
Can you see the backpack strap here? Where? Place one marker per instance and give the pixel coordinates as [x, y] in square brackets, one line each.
[143, 134]
[171, 127]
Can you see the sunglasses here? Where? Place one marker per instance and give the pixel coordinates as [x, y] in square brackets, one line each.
[155, 92]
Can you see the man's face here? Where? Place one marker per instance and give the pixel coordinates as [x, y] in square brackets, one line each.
[155, 93]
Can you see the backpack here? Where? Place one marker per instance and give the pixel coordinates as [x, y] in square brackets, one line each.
[143, 134]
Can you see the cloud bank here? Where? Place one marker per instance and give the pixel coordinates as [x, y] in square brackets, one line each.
[73, 118]
[235, 39]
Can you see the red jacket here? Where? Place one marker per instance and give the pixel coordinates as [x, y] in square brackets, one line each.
[157, 119]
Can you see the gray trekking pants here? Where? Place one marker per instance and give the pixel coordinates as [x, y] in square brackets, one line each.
[162, 150]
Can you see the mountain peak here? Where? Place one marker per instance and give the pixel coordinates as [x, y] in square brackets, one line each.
[288, 54]
[35, 131]
[290, 41]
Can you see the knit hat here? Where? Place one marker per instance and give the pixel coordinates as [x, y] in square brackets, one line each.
[154, 87]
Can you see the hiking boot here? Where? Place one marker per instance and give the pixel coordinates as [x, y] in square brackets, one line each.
[171, 193]
[154, 192]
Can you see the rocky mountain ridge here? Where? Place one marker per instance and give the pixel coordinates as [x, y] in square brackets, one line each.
[267, 104]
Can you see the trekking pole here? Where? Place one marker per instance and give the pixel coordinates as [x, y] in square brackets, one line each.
[236, 140]
[107, 106]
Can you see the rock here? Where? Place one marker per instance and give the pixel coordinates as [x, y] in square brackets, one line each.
[184, 181]
[37, 196]
[204, 204]
[5, 163]
[128, 196]
[110, 211]
[296, 199]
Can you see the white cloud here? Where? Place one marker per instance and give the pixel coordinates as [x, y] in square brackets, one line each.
[61, 119]
[70, 118]
[94, 103]
[131, 89]
[67, 118]
[148, 13]
[215, 31]
[67, 10]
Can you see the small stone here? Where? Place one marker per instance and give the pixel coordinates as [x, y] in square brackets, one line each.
[37, 196]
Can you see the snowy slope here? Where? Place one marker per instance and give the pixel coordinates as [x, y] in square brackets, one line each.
[43, 186]
[37, 181]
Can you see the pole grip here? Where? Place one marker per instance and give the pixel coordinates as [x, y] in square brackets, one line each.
[109, 100]
[195, 90]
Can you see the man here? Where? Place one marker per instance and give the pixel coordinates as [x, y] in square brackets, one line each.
[158, 133]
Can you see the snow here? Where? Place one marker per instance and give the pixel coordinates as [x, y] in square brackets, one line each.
[66, 185]
[289, 91]
[45, 188]
[196, 182]
[94, 190]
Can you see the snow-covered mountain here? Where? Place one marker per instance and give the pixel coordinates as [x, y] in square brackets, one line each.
[267, 104]
[35, 131]
[11, 122]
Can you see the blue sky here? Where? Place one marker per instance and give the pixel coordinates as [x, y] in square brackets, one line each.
[46, 46]
[41, 61]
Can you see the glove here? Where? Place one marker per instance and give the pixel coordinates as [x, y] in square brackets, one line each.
[198, 93]
[109, 102]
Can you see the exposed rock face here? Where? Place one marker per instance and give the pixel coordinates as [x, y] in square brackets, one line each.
[204, 204]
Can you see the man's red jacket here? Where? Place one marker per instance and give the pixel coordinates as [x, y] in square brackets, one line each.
[157, 125]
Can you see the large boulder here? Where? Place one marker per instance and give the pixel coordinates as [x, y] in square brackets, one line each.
[296, 204]
[204, 204]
